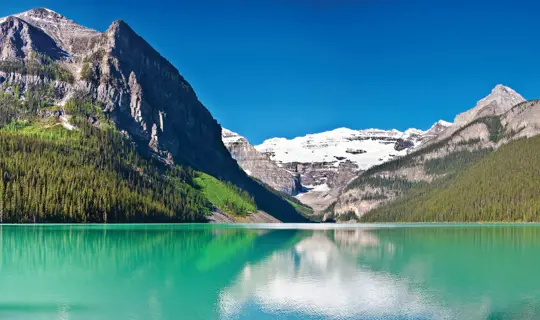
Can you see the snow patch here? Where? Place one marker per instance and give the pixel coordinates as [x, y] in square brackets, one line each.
[444, 123]
[66, 124]
[230, 137]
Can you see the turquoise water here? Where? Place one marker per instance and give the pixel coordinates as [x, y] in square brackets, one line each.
[279, 272]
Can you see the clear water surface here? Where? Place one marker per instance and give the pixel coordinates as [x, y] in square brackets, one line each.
[270, 272]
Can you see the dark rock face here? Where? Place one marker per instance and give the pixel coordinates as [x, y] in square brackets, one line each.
[355, 151]
[403, 144]
[143, 93]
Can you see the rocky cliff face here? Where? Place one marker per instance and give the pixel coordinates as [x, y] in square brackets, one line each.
[497, 119]
[142, 92]
[259, 165]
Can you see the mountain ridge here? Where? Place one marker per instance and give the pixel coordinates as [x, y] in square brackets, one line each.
[454, 149]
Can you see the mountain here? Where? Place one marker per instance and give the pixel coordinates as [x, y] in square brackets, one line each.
[504, 186]
[364, 148]
[47, 57]
[327, 161]
[259, 165]
[66, 33]
[495, 121]
[500, 100]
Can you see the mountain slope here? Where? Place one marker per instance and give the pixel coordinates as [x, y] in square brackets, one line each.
[259, 165]
[452, 150]
[327, 161]
[140, 91]
[51, 174]
[499, 101]
[504, 186]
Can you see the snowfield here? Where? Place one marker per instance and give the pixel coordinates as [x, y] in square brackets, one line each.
[365, 148]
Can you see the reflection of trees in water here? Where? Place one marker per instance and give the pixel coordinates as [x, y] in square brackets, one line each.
[528, 309]
[465, 272]
[474, 269]
[146, 269]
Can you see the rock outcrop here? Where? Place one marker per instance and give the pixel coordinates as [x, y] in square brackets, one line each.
[259, 165]
[499, 101]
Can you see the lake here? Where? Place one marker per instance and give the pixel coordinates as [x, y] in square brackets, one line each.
[269, 272]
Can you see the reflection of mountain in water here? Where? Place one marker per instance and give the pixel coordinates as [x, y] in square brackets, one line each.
[212, 272]
[462, 272]
[319, 277]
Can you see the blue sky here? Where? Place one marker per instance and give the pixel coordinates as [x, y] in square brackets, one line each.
[267, 68]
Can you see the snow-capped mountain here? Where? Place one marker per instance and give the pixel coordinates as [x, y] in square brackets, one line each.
[364, 148]
[323, 163]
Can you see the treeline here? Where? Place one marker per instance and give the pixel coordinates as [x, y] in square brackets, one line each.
[503, 186]
[15, 105]
[455, 161]
[89, 175]
[48, 69]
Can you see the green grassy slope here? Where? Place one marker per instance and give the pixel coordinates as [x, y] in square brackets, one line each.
[503, 186]
[225, 196]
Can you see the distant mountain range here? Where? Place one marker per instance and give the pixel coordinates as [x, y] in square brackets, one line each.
[317, 166]
[347, 173]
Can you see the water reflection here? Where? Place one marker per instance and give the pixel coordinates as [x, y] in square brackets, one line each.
[224, 272]
[319, 277]
[119, 272]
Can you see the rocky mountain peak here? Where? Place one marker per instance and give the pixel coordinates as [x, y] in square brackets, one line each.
[438, 127]
[119, 26]
[51, 21]
[43, 14]
[500, 100]
[229, 136]
[19, 40]
[67, 34]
